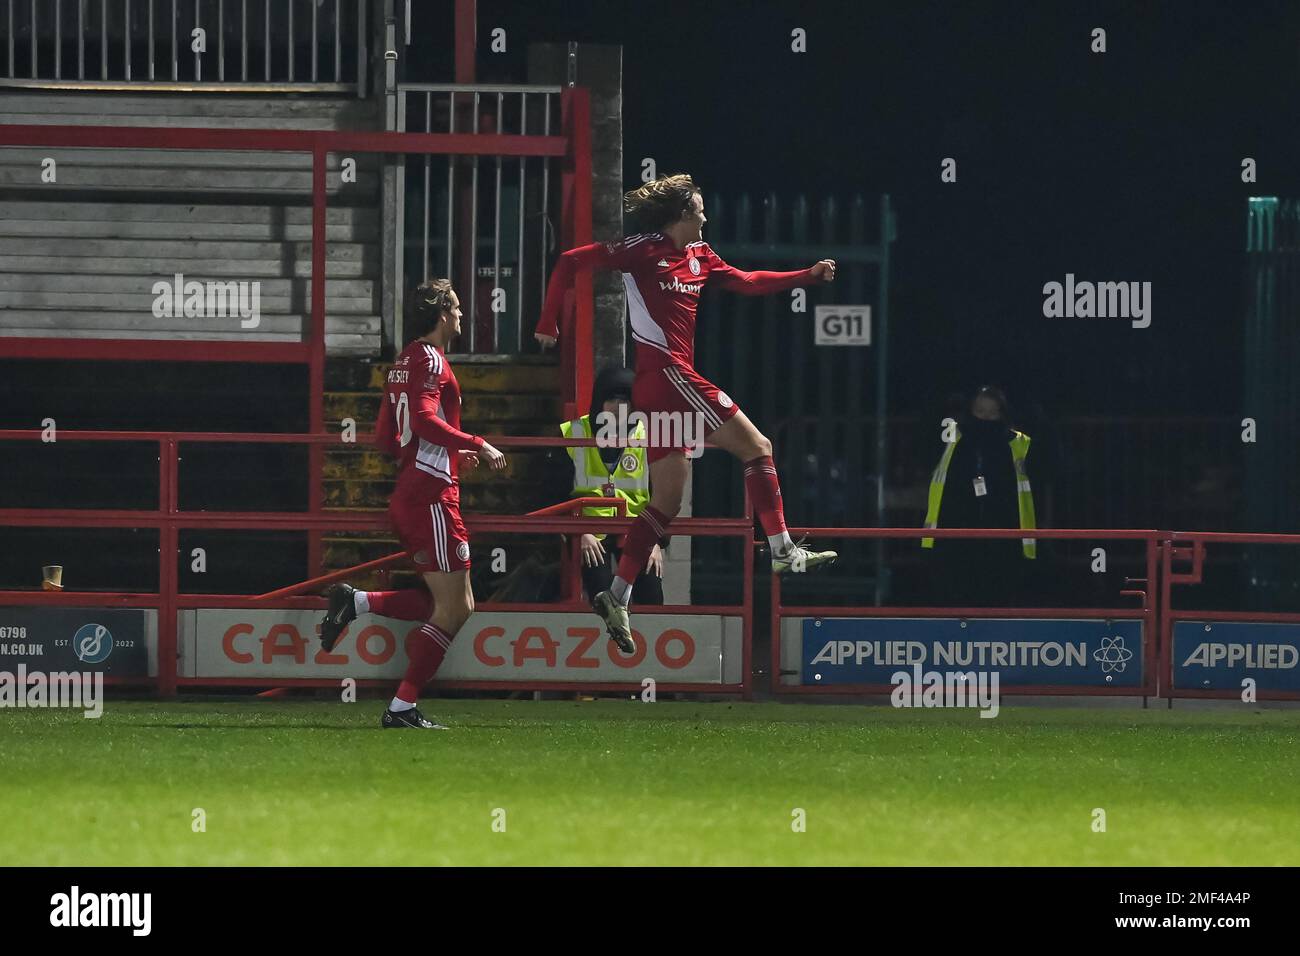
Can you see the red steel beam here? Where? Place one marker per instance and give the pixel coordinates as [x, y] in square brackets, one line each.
[316, 367]
[342, 521]
[324, 579]
[1121, 534]
[574, 505]
[279, 438]
[466, 40]
[281, 140]
[168, 573]
[576, 355]
[233, 438]
[1020, 690]
[154, 350]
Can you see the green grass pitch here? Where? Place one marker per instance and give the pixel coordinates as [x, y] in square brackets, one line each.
[286, 782]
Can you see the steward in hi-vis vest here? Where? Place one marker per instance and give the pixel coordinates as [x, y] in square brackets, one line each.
[981, 481]
[626, 476]
[609, 472]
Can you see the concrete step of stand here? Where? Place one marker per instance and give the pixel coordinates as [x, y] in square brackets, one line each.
[244, 111]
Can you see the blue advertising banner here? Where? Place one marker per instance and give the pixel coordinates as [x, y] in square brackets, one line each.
[65, 639]
[1066, 653]
[1217, 655]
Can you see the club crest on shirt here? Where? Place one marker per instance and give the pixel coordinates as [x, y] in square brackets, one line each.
[695, 265]
[724, 399]
[629, 462]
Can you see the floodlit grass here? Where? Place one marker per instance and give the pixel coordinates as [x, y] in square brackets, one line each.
[621, 782]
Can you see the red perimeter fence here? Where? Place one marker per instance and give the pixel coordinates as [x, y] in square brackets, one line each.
[1154, 609]
[169, 520]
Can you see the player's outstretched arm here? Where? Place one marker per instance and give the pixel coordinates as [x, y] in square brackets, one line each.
[765, 283]
[597, 255]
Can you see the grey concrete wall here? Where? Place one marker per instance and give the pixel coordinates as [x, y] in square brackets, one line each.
[600, 69]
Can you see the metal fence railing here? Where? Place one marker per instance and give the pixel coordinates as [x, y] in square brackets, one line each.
[1114, 472]
[169, 519]
[1087, 472]
[488, 224]
[216, 45]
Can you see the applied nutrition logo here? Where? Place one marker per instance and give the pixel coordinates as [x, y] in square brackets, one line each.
[133, 911]
[212, 299]
[1112, 655]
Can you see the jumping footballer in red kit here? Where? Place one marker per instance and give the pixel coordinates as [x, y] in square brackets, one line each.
[419, 425]
[664, 269]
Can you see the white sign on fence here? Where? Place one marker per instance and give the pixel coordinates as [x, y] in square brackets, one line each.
[843, 325]
[492, 646]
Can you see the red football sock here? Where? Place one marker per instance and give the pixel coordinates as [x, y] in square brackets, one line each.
[650, 525]
[765, 492]
[425, 651]
[408, 604]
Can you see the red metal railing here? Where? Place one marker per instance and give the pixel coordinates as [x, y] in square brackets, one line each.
[1155, 608]
[1192, 545]
[573, 507]
[169, 519]
[577, 365]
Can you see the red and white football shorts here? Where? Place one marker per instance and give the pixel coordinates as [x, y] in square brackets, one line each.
[682, 390]
[430, 529]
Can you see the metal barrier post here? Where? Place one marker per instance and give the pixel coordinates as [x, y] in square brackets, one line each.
[747, 600]
[576, 347]
[168, 582]
[315, 453]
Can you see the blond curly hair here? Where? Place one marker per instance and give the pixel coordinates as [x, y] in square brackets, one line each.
[660, 203]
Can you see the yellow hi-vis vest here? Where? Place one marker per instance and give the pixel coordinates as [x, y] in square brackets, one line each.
[1024, 494]
[631, 477]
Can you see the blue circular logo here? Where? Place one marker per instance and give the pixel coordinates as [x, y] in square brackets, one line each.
[92, 643]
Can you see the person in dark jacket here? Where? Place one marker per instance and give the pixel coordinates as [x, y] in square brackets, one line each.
[982, 481]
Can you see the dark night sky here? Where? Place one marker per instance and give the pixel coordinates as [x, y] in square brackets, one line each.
[1118, 166]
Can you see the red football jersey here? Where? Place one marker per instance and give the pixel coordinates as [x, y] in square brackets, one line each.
[419, 419]
[663, 285]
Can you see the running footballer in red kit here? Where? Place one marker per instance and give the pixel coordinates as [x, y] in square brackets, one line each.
[419, 425]
[665, 268]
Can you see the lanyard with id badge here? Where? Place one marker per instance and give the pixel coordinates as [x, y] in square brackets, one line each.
[607, 489]
[981, 488]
